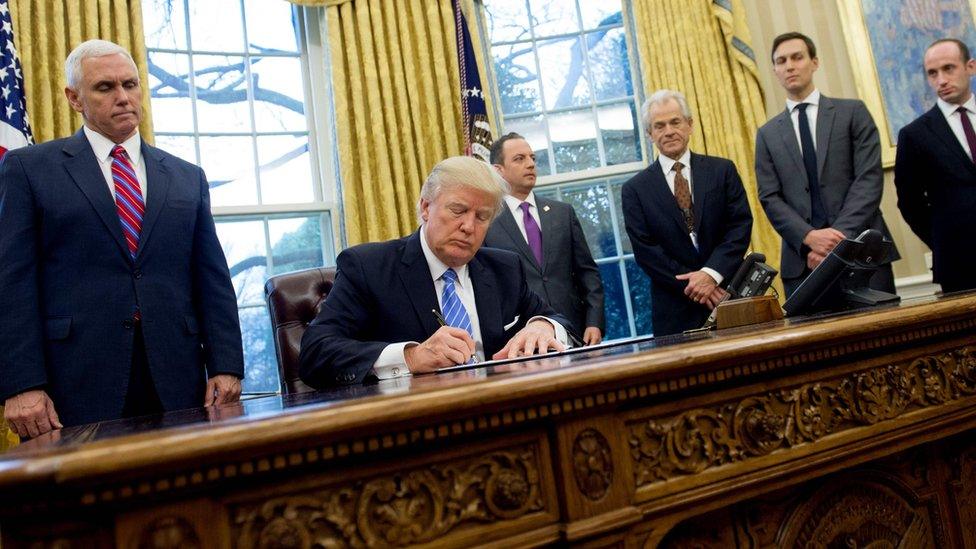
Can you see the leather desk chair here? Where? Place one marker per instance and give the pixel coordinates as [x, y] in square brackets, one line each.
[294, 300]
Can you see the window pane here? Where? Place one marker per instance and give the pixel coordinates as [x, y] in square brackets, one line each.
[640, 297]
[243, 244]
[614, 303]
[507, 20]
[609, 65]
[620, 133]
[574, 141]
[564, 82]
[261, 374]
[296, 243]
[164, 22]
[216, 25]
[267, 25]
[221, 94]
[598, 14]
[593, 210]
[229, 163]
[286, 170]
[515, 72]
[533, 129]
[181, 146]
[552, 17]
[169, 90]
[278, 94]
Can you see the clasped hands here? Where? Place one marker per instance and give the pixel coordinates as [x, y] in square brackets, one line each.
[703, 289]
[451, 346]
[821, 242]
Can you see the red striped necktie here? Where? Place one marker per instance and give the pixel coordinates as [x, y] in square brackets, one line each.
[128, 198]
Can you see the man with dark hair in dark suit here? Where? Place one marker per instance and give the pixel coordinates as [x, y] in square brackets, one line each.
[935, 174]
[548, 237]
[433, 299]
[687, 217]
[116, 297]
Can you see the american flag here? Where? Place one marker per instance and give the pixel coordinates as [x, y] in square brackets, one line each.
[474, 112]
[14, 127]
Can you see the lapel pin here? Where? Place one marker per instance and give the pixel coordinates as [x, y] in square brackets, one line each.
[545, 208]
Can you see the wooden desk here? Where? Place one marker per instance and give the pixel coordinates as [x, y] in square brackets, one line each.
[834, 431]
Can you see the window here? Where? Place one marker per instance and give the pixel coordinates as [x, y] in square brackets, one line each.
[565, 80]
[230, 91]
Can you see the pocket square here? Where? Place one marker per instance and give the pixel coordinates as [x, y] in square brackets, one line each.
[510, 324]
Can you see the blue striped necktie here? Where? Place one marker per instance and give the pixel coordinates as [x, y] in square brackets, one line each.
[454, 312]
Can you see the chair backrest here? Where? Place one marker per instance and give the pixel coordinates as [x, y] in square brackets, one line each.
[294, 299]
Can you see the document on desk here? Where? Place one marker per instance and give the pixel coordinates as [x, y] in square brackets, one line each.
[550, 354]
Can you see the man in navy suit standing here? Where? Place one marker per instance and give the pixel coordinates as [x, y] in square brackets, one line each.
[935, 173]
[687, 217]
[116, 300]
[433, 299]
[548, 237]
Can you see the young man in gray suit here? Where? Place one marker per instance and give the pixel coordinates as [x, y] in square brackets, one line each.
[818, 165]
[548, 237]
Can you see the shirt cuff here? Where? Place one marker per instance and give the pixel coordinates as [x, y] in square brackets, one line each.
[561, 335]
[714, 274]
[391, 362]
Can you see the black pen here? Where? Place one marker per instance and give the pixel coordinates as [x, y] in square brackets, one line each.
[443, 322]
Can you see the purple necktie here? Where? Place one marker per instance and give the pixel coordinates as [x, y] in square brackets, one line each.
[532, 233]
[967, 128]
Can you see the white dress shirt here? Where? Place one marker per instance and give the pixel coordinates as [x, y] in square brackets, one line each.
[667, 166]
[391, 362]
[514, 205]
[102, 147]
[813, 101]
[955, 121]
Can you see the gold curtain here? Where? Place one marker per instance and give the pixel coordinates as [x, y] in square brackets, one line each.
[701, 48]
[397, 107]
[47, 30]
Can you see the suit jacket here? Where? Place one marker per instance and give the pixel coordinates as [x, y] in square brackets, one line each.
[849, 167]
[661, 243]
[70, 287]
[936, 184]
[569, 279]
[383, 294]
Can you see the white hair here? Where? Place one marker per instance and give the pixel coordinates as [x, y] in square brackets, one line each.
[663, 96]
[463, 171]
[90, 48]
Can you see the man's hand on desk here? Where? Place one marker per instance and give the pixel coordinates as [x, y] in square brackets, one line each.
[222, 389]
[447, 347]
[31, 413]
[592, 336]
[537, 337]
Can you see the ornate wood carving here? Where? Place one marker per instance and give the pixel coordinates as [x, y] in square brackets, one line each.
[407, 507]
[592, 464]
[664, 448]
[169, 532]
[965, 493]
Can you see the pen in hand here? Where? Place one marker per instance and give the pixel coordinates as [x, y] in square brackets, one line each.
[443, 322]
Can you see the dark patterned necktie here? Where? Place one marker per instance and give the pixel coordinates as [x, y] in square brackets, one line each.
[682, 195]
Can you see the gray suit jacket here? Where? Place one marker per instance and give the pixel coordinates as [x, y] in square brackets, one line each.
[849, 166]
[569, 280]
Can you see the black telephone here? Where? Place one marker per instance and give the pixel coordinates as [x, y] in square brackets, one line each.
[753, 278]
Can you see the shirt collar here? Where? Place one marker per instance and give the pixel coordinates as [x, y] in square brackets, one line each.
[514, 203]
[667, 163]
[812, 99]
[102, 146]
[436, 266]
[948, 109]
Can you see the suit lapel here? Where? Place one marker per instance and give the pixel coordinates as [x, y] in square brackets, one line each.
[549, 226]
[157, 187]
[83, 168]
[784, 127]
[508, 224]
[825, 122]
[937, 124]
[487, 301]
[701, 178]
[417, 284]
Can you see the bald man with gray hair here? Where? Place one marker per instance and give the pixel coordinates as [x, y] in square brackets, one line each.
[433, 299]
